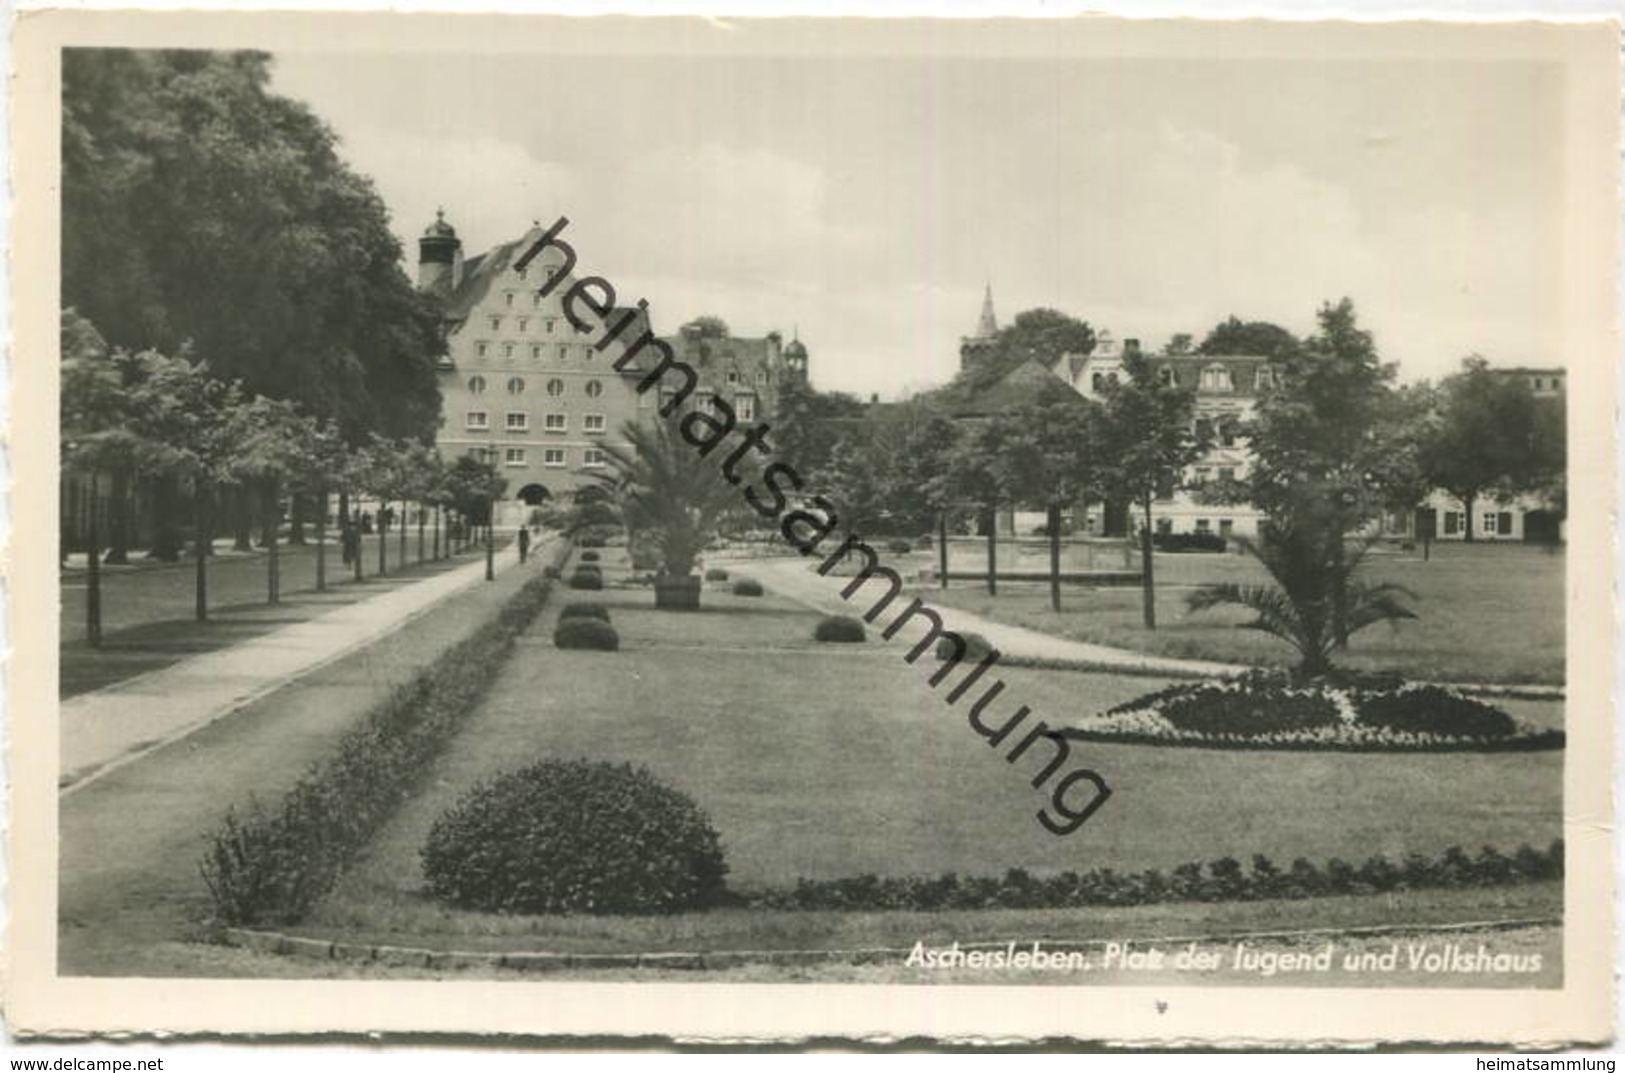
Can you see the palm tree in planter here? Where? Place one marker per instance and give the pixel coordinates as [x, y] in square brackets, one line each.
[1315, 586]
[661, 490]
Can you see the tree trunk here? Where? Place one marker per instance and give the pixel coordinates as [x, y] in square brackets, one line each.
[268, 540]
[1148, 584]
[242, 519]
[298, 507]
[400, 558]
[118, 518]
[166, 538]
[383, 542]
[942, 548]
[423, 519]
[437, 532]
[200, 526]
[1340, 597]
[321, 539]
[992, 552]
[93, 574]
[1467, 502]
[1055, 556]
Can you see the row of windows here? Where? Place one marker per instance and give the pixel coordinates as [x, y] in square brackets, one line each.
[554, 386]
[552, 457]
[482, 349]
[519, 421]
[1213, 378]
[1491, 523]
[744, 406]
[550, 325]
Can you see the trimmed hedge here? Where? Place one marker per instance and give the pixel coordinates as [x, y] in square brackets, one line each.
[839, 629]
[1177, 542]
[716, 573]
[581, 609]
[575, 836]
[594, 634]
[271, 864]
[976, 648]
[747, 586]
[1223, 880]
[589, 556]
[590, 580]
[1432, 710]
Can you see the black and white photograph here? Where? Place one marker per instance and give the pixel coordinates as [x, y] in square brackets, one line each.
[1053, 527]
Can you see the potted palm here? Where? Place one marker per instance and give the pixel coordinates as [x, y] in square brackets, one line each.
[667, 498]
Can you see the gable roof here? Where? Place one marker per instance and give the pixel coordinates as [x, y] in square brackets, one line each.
[1025, 384]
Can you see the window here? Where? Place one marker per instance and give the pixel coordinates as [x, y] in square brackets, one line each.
[564, 353]
[1167, 377]
[592, 422]
[1266, 378]
[1452, 522]
[518, 421]
[668, 400]
[1225, 526]
[550, 320]
[761, 376]
[479, 349]
[555, 422]
[536, 352]
[524, 322]
[1202, 475]
[745, 407]
[1227, 473]
[1204, 526]
[592, 458]
[477, 420]
[476, 384]
[496, 324]
[1492, 525]
[516, 385]
[595, 388]
[1165, 526]
[1227, 431]
[536, 303]
[733, 378]
[1504, 521]
[553, 457]
[507, 350]
[555, 387]
[509, 299]
[514, 456]
[1216, 378]
[1098, 382]
[481, 454]
[708, 404]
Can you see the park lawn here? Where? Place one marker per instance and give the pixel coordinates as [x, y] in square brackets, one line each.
[1486, 613]
[828, 761]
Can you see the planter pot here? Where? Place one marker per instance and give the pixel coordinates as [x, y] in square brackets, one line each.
[678, 593]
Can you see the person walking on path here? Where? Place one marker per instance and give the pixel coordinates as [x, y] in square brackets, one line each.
[350, 543]
[524, 542]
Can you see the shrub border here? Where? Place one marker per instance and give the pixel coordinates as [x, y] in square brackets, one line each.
[273, 864]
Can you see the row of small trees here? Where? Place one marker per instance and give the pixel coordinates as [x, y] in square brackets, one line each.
[167, 423]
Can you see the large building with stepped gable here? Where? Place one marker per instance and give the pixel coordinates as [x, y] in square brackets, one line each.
[521, 386]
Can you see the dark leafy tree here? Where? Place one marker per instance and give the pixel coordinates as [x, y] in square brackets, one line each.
[1236, 336]
[1042, 334]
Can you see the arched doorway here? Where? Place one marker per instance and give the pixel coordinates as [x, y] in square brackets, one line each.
[534, 495]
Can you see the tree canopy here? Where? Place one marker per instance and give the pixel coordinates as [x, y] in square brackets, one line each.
[200, 208]
[1235, 336]
[1042, 334]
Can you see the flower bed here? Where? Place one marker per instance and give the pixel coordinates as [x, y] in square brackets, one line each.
[1265, 711]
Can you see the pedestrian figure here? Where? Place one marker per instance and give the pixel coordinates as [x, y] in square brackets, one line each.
[524, 543]
[350, 542]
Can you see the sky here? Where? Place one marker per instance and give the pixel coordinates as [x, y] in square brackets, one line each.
[864, 199]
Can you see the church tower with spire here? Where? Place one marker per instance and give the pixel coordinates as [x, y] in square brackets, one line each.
[974, 347]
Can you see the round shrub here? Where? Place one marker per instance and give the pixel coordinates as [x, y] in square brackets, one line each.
[899, 547]
[590, 582]
[839, 629]
[1432, 710]
[588, 568]
[976, 648]
[747, 586]
[582, 609]
[716, 573]
[589, 556]
[595, 634]
[575, 836]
